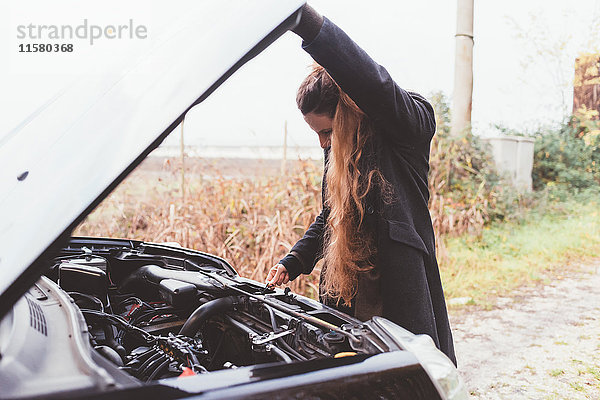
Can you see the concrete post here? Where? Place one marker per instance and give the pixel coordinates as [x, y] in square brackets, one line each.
[463, 68]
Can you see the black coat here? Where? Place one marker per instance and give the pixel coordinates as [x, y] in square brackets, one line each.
[405, 286]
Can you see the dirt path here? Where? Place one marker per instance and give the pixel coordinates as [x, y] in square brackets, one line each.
[541, 343]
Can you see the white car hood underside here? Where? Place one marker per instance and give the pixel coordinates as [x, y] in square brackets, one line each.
[81, 141]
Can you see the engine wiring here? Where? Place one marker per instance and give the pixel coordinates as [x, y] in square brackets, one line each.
[121, 322]
[164, 351]
[169, 355]
[141, 325]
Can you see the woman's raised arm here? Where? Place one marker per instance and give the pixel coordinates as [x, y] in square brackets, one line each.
[408, 116]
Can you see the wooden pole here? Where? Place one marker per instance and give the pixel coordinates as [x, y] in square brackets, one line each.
[463, 72]
[182, 150]
[284, 160]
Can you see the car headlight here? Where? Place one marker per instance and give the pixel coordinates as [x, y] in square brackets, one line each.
[437, 365]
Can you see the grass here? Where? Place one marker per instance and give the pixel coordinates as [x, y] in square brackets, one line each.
[556, 372]
[538, 247]
[581, 380]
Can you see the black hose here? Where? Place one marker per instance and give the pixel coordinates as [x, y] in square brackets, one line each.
[143, 316]
[204, 312]
[153, 365]
[272, 316]
[150, 360]
[117, 320]
[280, 353]
[140, 358]
[89, 297]
[110, 354]
[289, 349]
[225, 283]
[110, 341]
[160, 368]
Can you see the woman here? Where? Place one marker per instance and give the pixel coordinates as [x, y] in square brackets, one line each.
[374, 233]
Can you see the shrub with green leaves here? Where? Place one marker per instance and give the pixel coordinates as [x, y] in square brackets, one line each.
[569, 156]
[463, 182]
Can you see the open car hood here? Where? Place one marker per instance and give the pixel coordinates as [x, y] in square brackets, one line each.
[68, 155]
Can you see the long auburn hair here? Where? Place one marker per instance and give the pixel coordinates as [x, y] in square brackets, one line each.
[349, 248]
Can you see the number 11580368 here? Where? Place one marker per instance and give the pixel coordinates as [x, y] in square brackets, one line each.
[45, 48]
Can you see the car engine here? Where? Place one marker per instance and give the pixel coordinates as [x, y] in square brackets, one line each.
[156, 312]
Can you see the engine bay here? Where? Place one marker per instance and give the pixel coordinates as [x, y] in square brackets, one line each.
[157, 312]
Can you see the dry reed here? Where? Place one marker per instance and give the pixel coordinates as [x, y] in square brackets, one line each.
[252, 221]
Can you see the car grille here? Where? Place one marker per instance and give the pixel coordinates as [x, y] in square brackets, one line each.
[37, 320]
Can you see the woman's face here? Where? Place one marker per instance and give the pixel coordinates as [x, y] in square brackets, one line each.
[322, 124]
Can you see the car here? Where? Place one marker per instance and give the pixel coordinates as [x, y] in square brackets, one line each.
[116, 318]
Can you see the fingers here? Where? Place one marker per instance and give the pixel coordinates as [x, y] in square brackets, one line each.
[283, 278]
[277, 279]
[271, 273]
[278, 275]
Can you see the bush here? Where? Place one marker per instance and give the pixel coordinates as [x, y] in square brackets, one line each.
[465, 190]
[570, 156]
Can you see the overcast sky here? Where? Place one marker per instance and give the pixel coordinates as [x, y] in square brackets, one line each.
[513, 85]
[516, 82]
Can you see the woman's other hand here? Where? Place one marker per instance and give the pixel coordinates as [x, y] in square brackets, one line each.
[278, 275]
[309, 25]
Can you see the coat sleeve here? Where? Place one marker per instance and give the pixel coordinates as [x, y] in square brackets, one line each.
[408, 116]
[308, 250]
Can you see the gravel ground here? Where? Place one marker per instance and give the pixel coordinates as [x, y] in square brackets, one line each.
[540, 343]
